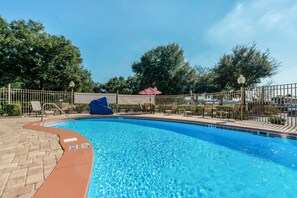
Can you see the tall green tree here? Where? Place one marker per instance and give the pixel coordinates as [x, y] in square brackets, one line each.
[37, 60]
[118, 84]
[204, 80]
[165, 68]
[247, 60]
[133, 83]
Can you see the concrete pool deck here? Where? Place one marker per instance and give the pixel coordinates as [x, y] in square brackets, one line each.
[29, 158]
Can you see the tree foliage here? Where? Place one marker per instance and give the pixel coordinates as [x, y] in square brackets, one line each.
[118, 84]
[37, 60]
[204, 80]
[165, 68]
[246, 60]
[31, 58]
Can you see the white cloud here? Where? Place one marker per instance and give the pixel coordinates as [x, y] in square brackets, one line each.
[272, 24]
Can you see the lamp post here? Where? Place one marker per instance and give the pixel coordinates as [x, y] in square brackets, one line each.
[71, 85]
[241, 81]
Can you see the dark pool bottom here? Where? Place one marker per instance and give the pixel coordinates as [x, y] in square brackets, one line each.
[146, 158]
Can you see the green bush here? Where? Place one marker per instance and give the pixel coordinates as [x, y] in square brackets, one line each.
[163, 108]
[227, 108]
[127, 107]
[1, 109]
[113, 106]
[277, 120]
[79, 108]
[281, 109]
[14, 109]
[200, 110]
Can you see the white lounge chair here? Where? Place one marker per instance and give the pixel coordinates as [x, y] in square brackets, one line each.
[36, 107]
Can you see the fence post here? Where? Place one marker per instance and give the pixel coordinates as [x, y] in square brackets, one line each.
[241, 101]
[117, 100]
[9, 94]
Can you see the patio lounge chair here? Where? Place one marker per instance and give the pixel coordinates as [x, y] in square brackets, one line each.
[208, 110]
[36, 107]
[173, 109]
[192, 110]
[148, 108]
[236, 111]
[65, 106]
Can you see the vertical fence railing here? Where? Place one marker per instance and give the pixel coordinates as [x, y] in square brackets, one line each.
[24, 96]
[276, 104]
[3, 100]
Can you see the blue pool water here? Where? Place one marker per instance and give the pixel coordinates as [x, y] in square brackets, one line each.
[145, 158]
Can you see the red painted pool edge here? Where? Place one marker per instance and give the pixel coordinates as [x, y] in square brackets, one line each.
[71, 176]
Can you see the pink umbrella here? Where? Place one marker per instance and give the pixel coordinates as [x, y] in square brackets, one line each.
[150, 91]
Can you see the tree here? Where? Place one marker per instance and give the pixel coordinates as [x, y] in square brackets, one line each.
[118, 84]
[133, 83]
[249, 61]
[37, 60]
[99, 88]
[165, 68]
[7, 46]
[204, 80]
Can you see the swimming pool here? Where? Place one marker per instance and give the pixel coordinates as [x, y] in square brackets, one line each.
[147, 158]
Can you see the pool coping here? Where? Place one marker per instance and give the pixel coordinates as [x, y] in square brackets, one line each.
[72, 174]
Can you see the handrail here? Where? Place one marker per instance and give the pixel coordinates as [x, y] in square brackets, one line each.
[42, 111]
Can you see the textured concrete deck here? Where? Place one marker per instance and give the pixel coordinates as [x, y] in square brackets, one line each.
[27, 157]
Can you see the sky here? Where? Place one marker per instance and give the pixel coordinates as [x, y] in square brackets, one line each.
[112, 34]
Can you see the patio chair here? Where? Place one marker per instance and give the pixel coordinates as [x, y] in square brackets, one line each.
[236, 111]
[36, 107]
[192, 111]
[65, 106]
[173, 109]
[208, 110]
[222, 111]
[148, 107]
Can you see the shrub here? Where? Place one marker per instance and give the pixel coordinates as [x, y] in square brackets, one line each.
[200, 110]
[1, 109]
[113, 106]
[14, 109]
[277, 120]
[163, 108]
[227, 108]
[127, 107]
[79, 108]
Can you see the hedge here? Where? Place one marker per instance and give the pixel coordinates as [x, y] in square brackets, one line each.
[277, 120]
[79, 108]
[14, 109]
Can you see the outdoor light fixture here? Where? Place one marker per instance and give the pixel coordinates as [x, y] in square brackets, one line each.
[71, 85]
[241, 79]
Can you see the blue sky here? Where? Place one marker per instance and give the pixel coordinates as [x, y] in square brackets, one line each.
[112, 34]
